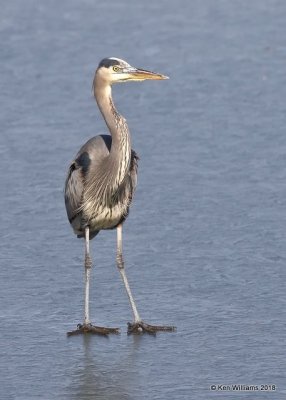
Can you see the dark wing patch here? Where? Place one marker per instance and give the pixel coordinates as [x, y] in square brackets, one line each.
[107, 140]
[83, 161]
[73, 191]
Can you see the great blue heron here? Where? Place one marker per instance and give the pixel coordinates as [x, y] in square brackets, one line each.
[101, 182]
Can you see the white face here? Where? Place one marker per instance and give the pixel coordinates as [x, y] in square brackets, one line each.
[118, 70]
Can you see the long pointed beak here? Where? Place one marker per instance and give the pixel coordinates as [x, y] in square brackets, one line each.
[137, 74]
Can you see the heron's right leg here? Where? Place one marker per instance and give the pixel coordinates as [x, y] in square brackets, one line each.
[87, 327]
[138, 326]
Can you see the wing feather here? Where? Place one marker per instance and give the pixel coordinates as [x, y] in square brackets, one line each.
[73, 190]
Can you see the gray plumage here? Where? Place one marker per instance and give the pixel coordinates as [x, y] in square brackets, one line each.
[101, 181]
[101, 205]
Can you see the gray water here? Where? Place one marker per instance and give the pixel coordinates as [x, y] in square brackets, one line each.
[205, 241]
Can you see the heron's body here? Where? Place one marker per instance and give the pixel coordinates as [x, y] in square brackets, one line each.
[101, 181]
[105, 209]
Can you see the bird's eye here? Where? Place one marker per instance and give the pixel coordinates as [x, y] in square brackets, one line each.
[115, 69]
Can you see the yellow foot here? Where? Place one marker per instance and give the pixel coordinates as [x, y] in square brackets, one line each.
[96, 330]
[141, 327]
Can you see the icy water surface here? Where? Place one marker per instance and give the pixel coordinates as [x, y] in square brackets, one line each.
[205, 241]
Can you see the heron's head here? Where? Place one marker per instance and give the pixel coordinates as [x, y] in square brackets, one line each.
[113, 70]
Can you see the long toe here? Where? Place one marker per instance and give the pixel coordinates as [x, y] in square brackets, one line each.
[142, 327]
[96, 330]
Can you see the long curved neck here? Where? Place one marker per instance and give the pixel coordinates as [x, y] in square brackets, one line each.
[116, 124]
[120, 153]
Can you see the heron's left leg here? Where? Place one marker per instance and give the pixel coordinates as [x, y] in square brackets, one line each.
[138, 326]
[120, 265]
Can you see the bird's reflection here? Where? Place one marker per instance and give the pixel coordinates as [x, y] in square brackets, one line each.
[105, 374]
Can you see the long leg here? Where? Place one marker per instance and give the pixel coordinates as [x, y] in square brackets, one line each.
[138, 326]
[87, 327]
[87, 269]
[120, 265]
